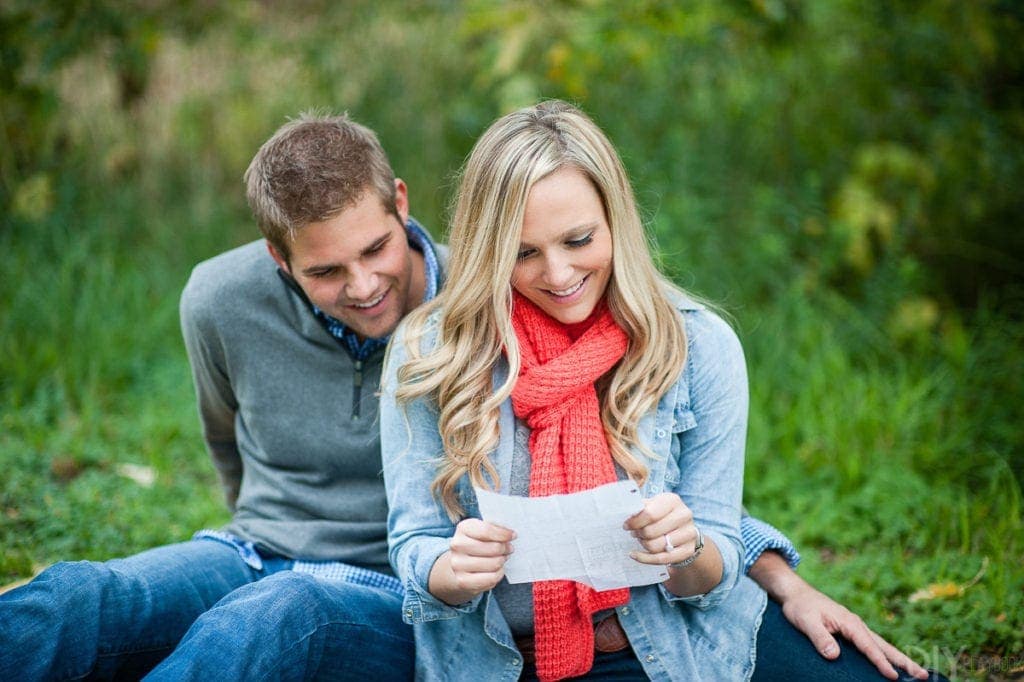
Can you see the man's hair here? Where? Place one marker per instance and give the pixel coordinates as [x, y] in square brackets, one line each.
[313, 168]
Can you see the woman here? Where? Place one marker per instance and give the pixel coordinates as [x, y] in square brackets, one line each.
[556, 360]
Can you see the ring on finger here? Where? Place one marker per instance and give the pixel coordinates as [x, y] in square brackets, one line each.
[669, 547]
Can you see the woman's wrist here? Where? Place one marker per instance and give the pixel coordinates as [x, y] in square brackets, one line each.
[443, 585]
[698, 577]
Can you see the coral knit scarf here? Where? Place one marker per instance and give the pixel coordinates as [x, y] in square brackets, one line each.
[554, 394]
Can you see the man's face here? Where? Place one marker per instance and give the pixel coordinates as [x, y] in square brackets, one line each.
[358, 266]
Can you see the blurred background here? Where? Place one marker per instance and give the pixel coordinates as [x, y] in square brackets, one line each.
[842, 177]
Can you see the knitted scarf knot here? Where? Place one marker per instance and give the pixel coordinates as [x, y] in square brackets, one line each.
[555, 395]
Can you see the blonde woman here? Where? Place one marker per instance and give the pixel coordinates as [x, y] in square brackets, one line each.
[558, 359]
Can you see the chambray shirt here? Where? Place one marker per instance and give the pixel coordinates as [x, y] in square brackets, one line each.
[697, 434]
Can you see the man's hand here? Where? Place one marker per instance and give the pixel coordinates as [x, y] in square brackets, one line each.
[819, 617]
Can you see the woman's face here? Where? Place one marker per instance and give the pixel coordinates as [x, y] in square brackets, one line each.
[565, 252]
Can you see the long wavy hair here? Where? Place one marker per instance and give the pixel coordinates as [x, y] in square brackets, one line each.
[474, 310]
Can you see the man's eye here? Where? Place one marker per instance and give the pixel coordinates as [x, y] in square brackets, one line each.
[582, 241]
[321, 274]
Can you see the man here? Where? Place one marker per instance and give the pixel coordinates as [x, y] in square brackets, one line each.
[286, 338]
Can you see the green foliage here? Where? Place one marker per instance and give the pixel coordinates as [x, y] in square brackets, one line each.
[842, 177]
[888, 465]
[893, 130]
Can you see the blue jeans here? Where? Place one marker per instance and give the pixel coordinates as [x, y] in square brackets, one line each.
[783, 653]
[196, 610]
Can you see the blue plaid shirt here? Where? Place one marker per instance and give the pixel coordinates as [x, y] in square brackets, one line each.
[325, 570]
[759, 536]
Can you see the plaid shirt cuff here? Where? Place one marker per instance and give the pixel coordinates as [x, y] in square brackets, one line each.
[759, 536]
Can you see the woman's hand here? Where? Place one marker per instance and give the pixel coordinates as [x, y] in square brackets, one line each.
[666, 529]
[474, 562]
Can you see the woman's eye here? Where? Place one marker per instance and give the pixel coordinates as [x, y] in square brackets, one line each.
[582, 241]
[524, 254]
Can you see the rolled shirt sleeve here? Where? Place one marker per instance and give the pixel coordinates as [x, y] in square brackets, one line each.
[759, 537]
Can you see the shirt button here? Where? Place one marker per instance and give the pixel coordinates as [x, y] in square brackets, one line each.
[650, 658]
[515, 662]
[661, 433]
[624, 611]
[408, 613]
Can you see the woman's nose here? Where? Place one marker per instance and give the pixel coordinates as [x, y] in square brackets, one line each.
[558, 272]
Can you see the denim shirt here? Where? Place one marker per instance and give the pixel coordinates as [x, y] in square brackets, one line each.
[697, 434]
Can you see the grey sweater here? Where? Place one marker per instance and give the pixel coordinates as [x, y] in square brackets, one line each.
[277, 399]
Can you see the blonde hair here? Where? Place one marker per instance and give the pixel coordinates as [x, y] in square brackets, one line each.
[474, 325]
[310, 170]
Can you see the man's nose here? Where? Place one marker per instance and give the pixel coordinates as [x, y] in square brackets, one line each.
[361, 285]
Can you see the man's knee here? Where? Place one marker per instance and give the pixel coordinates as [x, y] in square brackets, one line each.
[300, 598]
[63, 584]
[267, 615]
[299, 623]
[50, 625]
[283, 588]
[281, 594]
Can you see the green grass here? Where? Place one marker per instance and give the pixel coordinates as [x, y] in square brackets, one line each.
[95, 376]
[887, 469]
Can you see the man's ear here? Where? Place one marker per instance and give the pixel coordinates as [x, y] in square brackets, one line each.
[278, 258]
[401, 200]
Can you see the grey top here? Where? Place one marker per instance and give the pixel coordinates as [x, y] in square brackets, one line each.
[277, 397]
[516, 601]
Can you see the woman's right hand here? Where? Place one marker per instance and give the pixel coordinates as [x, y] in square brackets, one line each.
[474, 562]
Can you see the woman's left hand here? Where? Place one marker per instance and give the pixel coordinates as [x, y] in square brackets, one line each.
[665, 528]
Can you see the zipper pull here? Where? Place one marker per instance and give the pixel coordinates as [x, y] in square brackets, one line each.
[357, 388]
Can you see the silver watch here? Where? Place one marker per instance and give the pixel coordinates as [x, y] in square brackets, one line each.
[698, 547]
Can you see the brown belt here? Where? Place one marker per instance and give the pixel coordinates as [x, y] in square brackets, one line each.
[608, 637]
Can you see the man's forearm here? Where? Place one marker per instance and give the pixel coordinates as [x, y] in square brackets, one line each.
[774, 575]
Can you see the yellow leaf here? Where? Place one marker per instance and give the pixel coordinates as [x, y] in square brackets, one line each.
[913, 317]
[937, 591]
[948, 590]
